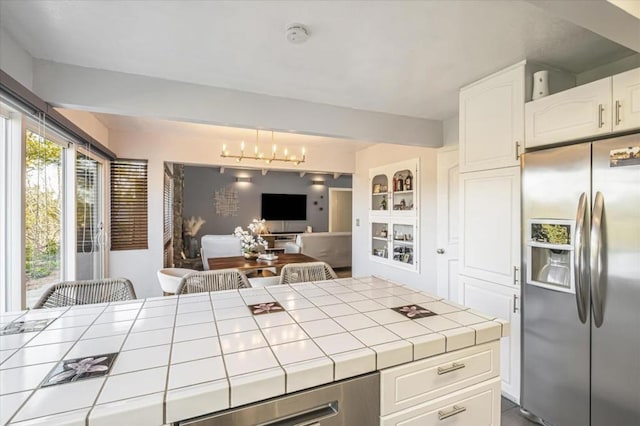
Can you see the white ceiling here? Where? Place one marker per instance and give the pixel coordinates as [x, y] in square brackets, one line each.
[400, 57]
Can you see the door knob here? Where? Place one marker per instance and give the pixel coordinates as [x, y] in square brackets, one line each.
[440, 251]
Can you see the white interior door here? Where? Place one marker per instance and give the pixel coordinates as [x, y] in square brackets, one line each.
[340, 209]
[447, 218]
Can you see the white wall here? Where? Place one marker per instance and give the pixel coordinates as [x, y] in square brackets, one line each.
[14, 60]
[612, 68]
[89, 123]
[140, 266]
[451, 131]
[380, 155]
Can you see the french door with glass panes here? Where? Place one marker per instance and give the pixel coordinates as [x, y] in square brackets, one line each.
[64, 204]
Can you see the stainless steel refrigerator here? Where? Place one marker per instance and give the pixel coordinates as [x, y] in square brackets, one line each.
[581, 298]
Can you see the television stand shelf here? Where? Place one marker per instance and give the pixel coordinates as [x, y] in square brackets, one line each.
[279, 240]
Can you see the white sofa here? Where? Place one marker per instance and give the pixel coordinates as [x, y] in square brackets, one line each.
[331, 247]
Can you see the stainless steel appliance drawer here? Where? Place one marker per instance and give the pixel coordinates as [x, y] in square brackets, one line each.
[349, 402]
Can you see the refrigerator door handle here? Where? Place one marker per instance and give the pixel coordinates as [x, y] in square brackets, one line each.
[597, 265]
[581, 272]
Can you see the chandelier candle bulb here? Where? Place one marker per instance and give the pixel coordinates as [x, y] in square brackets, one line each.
[257, 155]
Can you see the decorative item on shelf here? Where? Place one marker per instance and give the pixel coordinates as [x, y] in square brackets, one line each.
[408, 182]
[540, 84]
[383, 203]
[261, 156]
[377, 188]
[252, 242]
[191, 228]
[399, 183]
[383, 233]
[383, 188]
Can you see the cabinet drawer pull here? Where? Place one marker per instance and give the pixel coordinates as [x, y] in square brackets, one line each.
[600, 116]
[618, 119]
[455, 366]
[455, 410]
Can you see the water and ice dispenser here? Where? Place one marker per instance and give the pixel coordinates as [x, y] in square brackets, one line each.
[550, 254]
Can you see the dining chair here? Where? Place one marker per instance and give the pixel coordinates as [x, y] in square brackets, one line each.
[220, 279]
[219, 246]
[305, 272]
[71, 293]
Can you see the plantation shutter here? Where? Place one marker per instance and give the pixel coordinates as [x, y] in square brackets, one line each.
[167, 226]
[167, 207]
[86, 203]
[129, 205]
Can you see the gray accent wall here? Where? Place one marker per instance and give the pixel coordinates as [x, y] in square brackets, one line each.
[201, 183]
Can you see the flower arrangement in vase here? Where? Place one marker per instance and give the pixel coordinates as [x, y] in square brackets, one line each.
[251, 240]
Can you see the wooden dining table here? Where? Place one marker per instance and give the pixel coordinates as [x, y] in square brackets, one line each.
[239, 262]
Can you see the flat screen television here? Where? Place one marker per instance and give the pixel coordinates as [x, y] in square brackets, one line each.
[284, 206]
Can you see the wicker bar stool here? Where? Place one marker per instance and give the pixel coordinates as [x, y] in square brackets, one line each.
[305, 272]
[71, 293]
[216, 280]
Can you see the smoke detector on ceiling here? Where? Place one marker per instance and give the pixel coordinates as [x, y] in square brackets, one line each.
[297, 33]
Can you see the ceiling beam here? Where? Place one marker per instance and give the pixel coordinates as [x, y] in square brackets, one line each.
[90, 89]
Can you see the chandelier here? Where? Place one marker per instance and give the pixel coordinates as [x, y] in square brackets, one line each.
[261, 156]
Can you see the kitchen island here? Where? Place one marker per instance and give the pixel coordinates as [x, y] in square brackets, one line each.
[164, 360]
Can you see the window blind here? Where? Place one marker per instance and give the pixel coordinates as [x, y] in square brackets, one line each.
[129, 205]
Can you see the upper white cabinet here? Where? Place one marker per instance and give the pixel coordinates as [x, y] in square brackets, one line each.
[491, 121]
[598, 108]
[490, 225]
[626, 100]
[577, 113]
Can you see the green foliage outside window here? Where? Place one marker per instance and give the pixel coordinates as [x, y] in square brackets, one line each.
[43, 198]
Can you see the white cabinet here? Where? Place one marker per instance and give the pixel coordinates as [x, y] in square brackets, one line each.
[490, 225]
[626, 100]
[476, 405]
[492, 121]
[577, 113]
[393, 214]
[501, 302]
[588, 111]
[462, 385]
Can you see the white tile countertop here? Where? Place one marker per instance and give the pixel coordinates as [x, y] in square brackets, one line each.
[161, 360]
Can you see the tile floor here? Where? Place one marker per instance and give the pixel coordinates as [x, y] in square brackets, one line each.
[511, 415]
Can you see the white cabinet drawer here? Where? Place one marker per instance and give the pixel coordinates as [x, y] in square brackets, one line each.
[476, 405]
[411, 384]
